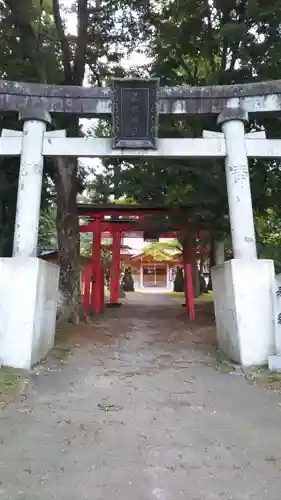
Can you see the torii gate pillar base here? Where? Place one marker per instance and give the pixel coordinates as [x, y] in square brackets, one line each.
[113, 305]
[244, 296]
[28, 304]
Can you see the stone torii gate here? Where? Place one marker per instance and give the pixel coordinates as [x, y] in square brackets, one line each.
[244, 287]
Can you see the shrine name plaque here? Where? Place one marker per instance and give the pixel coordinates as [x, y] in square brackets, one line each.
[134, 113]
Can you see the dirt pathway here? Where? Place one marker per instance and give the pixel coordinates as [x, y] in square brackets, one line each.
[138, 412]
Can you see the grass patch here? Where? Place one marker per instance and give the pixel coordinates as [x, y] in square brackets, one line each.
[205, 298]
[262, 377]
[224, 366]
[11, 383]
[61, 352]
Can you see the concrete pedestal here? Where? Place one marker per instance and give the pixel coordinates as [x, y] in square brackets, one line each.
[274, 362]
[244, 307]
[28, 306]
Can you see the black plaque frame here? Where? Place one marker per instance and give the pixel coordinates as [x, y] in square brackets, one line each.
[150, 236]
[135, 113]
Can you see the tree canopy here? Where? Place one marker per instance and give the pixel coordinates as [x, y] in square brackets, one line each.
[198, 42]
[38, 46]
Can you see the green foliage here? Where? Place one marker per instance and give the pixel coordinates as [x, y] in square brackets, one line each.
[35, 48]
[192, 42]
[24, 57]
[268, 229]
[163, 250]
[47, 237]
[196, 42]
[179, 281]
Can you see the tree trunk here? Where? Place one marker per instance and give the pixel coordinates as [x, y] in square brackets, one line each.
[68, 240]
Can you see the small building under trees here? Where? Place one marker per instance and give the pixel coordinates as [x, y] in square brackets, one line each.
[148, 271]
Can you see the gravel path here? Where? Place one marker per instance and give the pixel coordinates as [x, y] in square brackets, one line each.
[137, 411]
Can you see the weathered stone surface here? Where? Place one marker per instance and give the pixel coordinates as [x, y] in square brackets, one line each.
[90, 101]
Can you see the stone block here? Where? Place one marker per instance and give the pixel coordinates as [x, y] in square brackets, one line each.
[244, 298]
[274, 363]
[28, 307]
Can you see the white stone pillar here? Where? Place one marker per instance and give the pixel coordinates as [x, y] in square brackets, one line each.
[238, 184]
[219, 252]
[30, 182]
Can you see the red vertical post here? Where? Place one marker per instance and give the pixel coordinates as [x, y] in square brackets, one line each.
[188, 286]
[185, 273]
[102, 289]
[87, 286]
[115, 267]
[96, 268]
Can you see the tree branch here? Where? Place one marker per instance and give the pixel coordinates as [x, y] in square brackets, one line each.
[210, 34]
[187, 70]
[81, 44]
[31, 46]
[242, 14]
[65, 49]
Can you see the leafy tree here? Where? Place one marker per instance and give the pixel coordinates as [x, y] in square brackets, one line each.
[163, 250]
[107, 30]
[47, 236]
[268, 228]
[196, 42]
[127, 283]
[22, 26]
[179, 280]
[36, 46]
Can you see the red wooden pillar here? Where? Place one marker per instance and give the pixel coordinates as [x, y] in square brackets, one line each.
[87, 287]
[115, 267]
[96, 304]
[188, 287]
[102, 289]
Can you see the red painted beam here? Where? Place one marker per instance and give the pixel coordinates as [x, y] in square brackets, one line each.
[112, 227]
[124, 213]
[109, 227]
[120, 228]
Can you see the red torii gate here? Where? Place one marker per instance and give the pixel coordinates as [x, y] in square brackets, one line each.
[130, 218]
